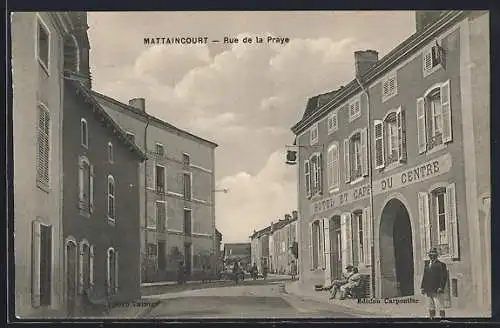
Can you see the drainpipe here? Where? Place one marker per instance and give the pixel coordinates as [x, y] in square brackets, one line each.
[370, 175]
[146, 197]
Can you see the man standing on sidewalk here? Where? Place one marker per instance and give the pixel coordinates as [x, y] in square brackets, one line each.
[433, 283]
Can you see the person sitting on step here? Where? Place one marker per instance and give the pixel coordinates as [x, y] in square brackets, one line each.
[335, 285]
[353, 282]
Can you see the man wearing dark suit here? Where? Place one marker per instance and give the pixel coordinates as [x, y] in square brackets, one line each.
[433, 283]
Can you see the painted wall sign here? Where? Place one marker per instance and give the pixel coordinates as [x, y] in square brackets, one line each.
[422, 172]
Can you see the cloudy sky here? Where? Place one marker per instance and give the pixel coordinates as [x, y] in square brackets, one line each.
[243, 97]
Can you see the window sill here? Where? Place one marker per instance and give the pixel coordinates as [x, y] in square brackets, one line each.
[432, 70]
[111, 221]
[353, 118]
[152, 229]
[436, 148]
[386, 98]
[43, 186]
[357, 180]
[392, 166]
[85, 146]
[314, 142]
[332, 131]
[333, 190]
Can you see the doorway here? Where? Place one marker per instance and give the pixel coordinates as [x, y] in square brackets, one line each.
[396, 251]
[71, 283]
[336, 250]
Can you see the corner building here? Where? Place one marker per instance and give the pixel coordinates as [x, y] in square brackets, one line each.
[389, 165]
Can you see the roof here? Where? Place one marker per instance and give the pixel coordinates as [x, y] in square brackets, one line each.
[407, 47]
[261, 232]
[151, 118]
[84, 92]
[318, 101]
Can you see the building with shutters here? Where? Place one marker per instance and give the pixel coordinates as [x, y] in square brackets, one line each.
[38, 45]
[177, 183]
[260, 247]
[101, 208]
[389, 165]
[283, 236]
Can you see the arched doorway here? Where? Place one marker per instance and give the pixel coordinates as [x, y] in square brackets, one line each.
[71, 276]
[396, 251]
[335, 248]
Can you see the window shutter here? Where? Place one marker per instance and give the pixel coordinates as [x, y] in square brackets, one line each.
[427, 60]
[80, 180]
[91, 266]
[327, 262]
[80, 269]
[314, 167]
[117, 270]
[348, 239]
[421, 128]
[424, 221]
[150, 174]
[367, 235]
[343, 239]
[165, 216]
[379, 144]
[446, 108]
[364, 151]
[307, 177]
[321, 248]
[401, 121]
[91, 188]
[35, 264]
[311, 253]
[329, 167]
[451, 218]
[319, 160]
[336, 167]
[347, 167]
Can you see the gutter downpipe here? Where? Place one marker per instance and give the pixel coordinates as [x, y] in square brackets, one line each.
[370, 175]
[146, 198]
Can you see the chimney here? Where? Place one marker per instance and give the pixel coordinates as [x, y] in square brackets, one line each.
[288, 217]
[139, 103]
[295, 215]
[272, 226]
[424, 18]
[364, 60]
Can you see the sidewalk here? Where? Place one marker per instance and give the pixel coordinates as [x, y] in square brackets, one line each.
[379, 309]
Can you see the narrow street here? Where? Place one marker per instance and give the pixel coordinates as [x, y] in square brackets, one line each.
[268, 300]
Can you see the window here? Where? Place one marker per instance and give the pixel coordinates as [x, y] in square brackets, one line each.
[187, 186]
[438, 221]
[111, 155]
[41, 265]
[43, 44]
[161, 219]
[313, 134]
[316, 174]
[86, 186]
[315, 245]
[43, 146]
[333, 167]
[84, 265]
[434, 121]
[433, 58]
[354, 109]
[186, 161]
[389, 86]
[131, 136]
[356, 156]
[332, 122]
[112, 271]
[111, 198]
[390, 139]
[160, 178]
[84, 134]
[187, 222]
[307, 177]
[160, 151]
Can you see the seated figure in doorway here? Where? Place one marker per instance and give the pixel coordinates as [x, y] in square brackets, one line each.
[337, 283]
[353, 282]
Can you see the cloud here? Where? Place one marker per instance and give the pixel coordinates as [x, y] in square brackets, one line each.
[253, 201]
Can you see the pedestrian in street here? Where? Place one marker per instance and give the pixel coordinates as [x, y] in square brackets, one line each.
[254, 271]
[334, 287]
[236, 272]
[434, 282]
[181, 273]
[264, 271]
[353, 281]
[293, 270]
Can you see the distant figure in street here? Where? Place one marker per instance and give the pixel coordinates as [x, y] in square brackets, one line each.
[337, 283]
[203, 274]
[254, 271]
[236, 272]
[293, 270]
[181, 273]
[433, 283]
[352, 282]
[265, 270]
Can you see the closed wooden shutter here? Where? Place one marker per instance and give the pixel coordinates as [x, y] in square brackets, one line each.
[327, 265]
[80, 268]
[427, 60]
[117, 270]
[91, 182]
[367, 235]
[314, 174]
[446, 109]
[43, 140]
[401, 121]
[35, 264]
[343, 238]
[321, 244]
[307, 177]
[319, 159]
[329, 166]
[421, 126]
[150, 174]
[364, 151]
[379, 144]
[349, 239]
[81, 183]
[452, 223]
[91, 265]
[311, 252]
[336, 166]
[424, 222]
[347, 167]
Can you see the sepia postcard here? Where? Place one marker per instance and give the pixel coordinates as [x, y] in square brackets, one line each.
[242, 165]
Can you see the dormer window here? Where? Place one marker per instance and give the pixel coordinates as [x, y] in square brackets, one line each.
[314, 137]
[332, 122]
[354, 109]
[433, 58]
[389, 86]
